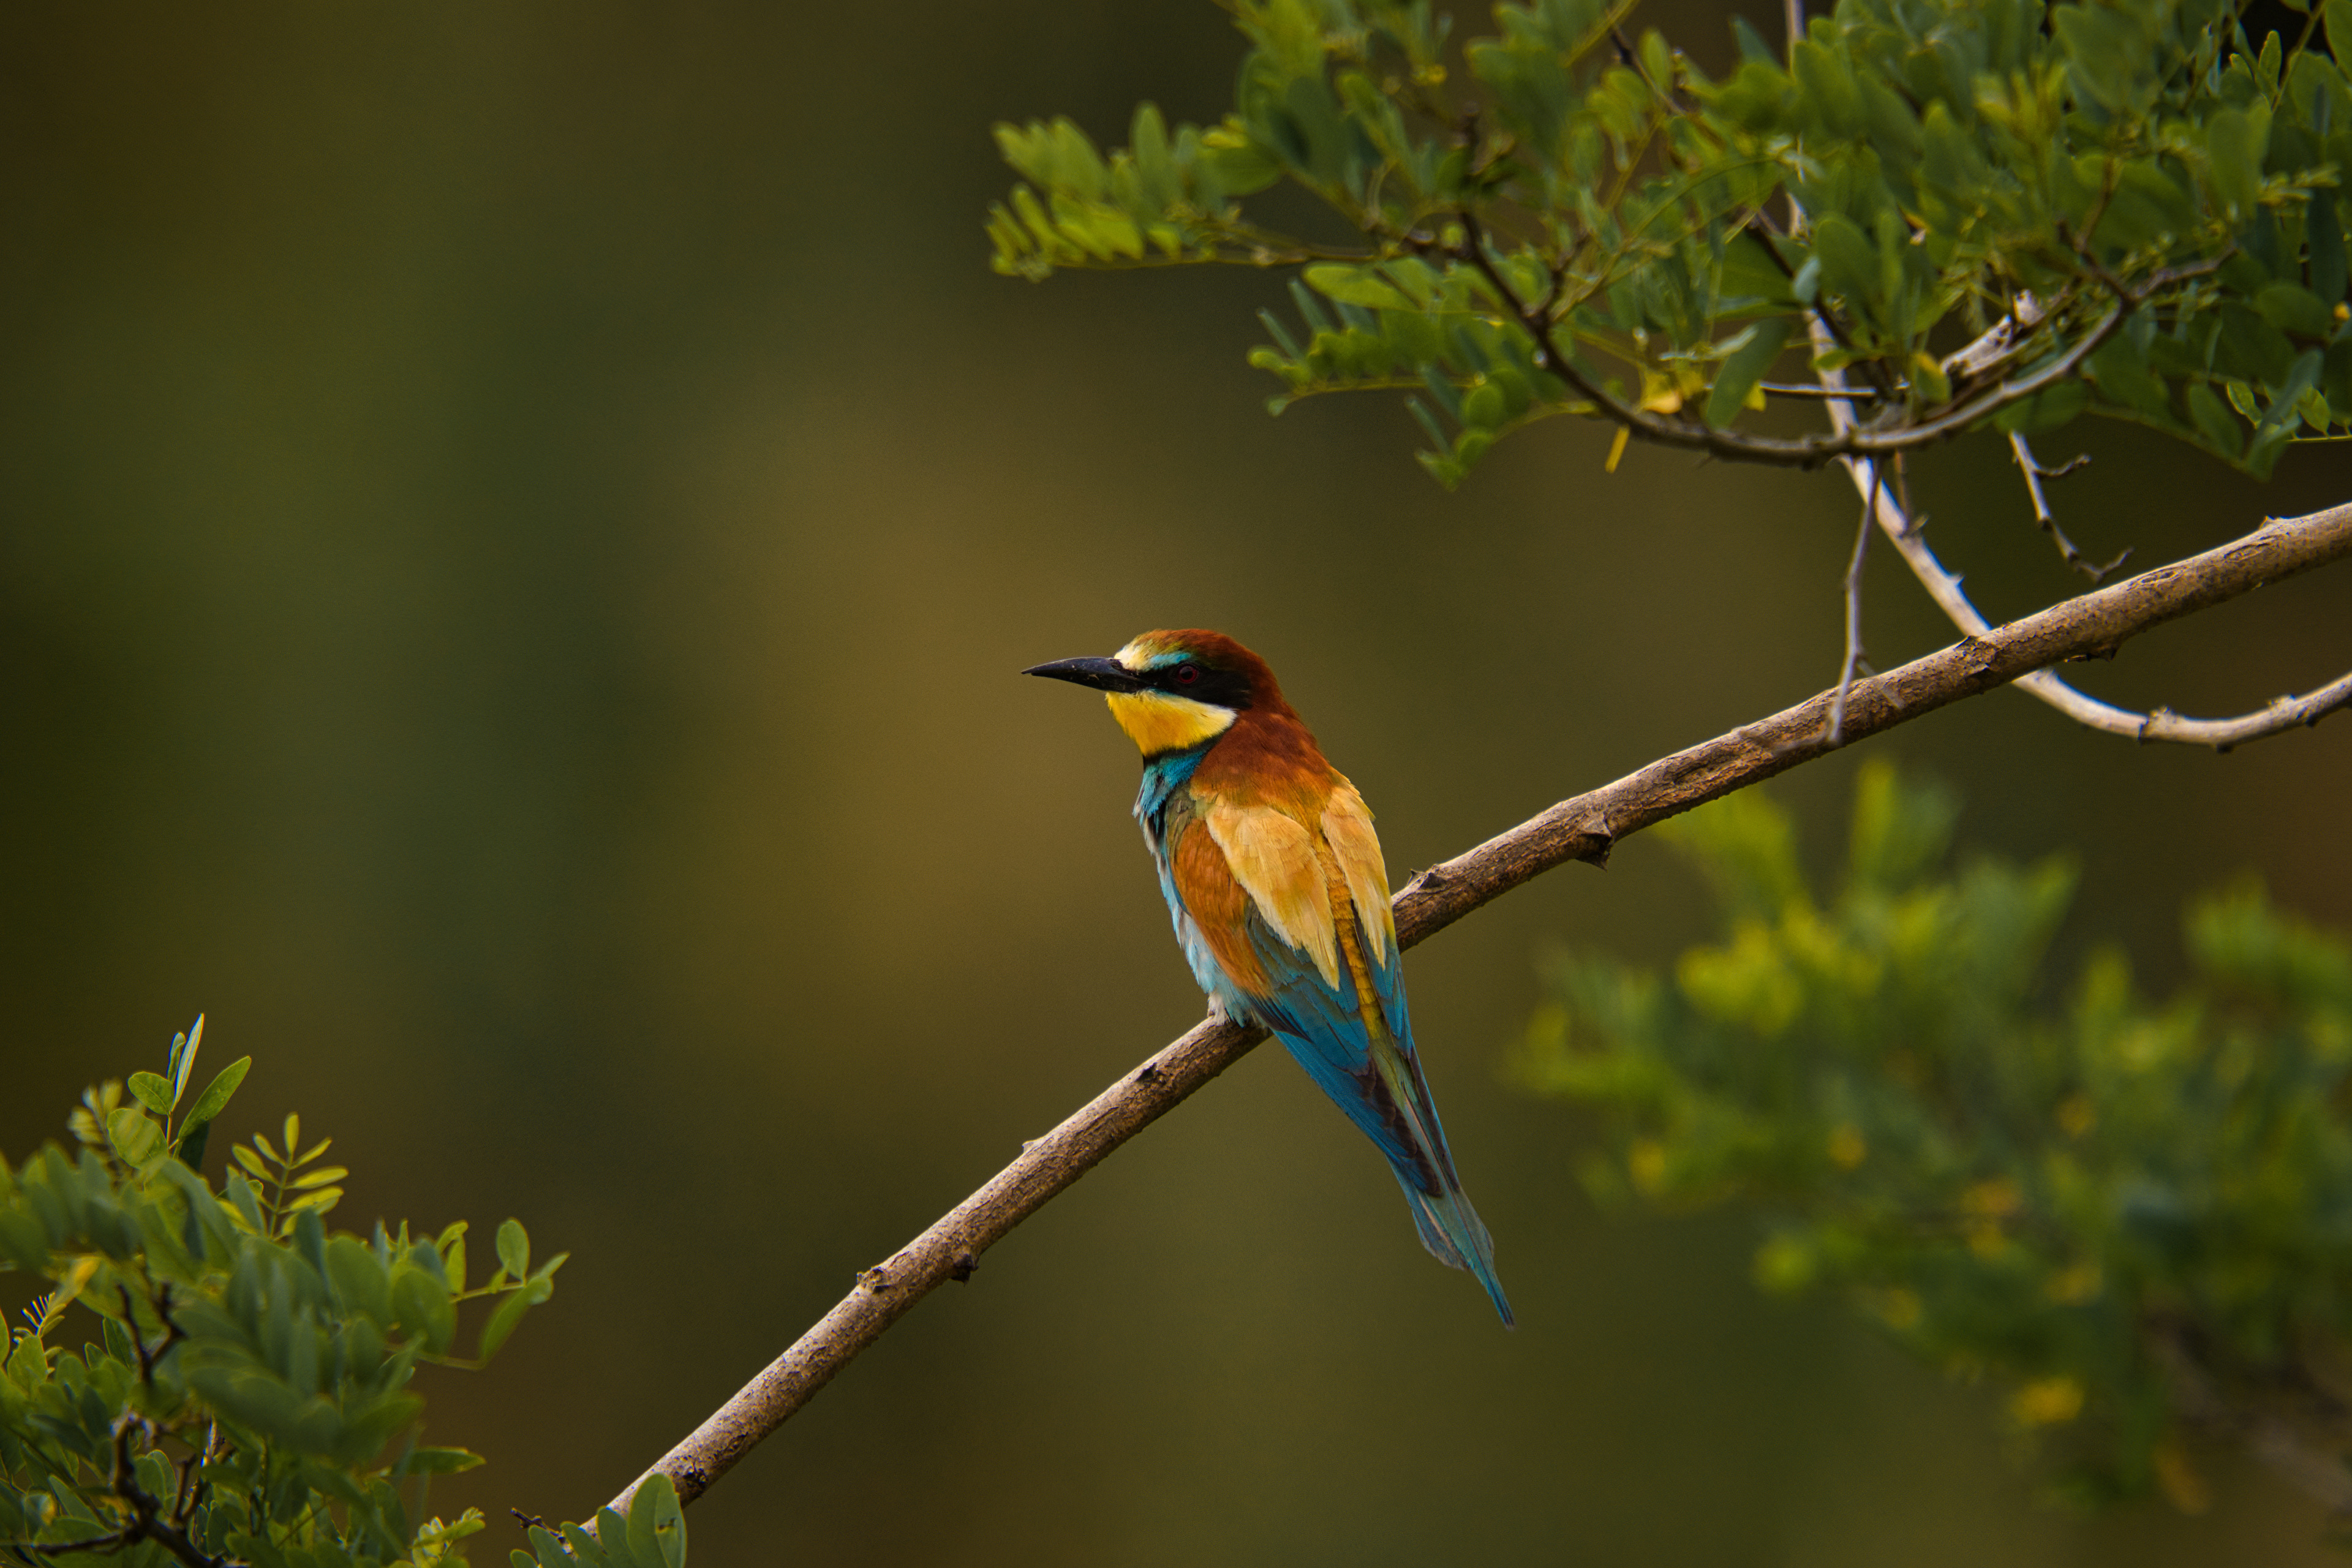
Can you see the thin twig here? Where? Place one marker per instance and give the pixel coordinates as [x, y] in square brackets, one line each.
[1786, 389]
[1581, 829]
[2274, 718]
[1852, 440]
[2046, 520]
[173, 1333]
[1853, 655]
[147, 1520]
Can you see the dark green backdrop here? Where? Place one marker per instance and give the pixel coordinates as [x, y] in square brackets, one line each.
[521, 520]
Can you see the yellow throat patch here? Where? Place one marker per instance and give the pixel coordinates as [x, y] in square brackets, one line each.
[1158, 723]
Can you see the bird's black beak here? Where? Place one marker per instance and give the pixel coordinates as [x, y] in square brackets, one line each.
[1102, 674]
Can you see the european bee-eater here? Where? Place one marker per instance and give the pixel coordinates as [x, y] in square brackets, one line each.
[1273, 879]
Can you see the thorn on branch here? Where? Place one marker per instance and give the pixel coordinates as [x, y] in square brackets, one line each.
[965, 1266]
[1597, 855]
[1430, 879]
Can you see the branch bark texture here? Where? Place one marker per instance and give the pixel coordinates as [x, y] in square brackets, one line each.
[1584, 827]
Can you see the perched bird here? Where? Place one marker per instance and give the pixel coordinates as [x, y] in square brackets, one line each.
[1273, 879]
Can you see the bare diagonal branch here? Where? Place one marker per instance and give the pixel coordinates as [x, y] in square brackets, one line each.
[1584, 827]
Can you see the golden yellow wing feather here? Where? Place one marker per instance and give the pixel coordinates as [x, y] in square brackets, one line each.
[1274, 857]
[1347, 828]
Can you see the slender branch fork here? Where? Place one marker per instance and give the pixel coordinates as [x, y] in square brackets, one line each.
[1908, 536]
[149, 1520]
[1581, 829]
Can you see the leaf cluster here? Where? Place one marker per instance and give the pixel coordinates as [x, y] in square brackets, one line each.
[246, 1396]
[652, 1536]
[2134, 1215]
[1971, 211]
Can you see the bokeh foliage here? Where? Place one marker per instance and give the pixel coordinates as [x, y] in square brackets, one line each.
[2010, 214]
[246, 1399]
[2136, 1214]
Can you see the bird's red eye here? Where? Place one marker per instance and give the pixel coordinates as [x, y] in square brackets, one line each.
[1187, 673]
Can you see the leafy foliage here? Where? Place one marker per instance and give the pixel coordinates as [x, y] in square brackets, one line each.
[652, 1536]
[2136, 1216]
[2007, 214]
[246, 1399]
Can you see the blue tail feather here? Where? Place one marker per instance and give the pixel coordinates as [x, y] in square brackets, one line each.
[1456, 1236]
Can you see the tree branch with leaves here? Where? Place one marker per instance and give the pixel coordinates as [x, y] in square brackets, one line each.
[2000, 218]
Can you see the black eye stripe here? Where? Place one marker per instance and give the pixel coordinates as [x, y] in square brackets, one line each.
[1199, 682]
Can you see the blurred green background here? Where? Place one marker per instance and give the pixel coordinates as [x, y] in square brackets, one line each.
[520, 524]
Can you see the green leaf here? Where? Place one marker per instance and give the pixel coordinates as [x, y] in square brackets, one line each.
[2221, 433]
[1484, 407]
[514, 1249]
[359, 1276]
[1743, 367]
[2121, 369]
[2057, 406]
[553, 1552]
[153, 1091]
[2235, 142]
[2108, 50]
[2296, 310]
[209, 1104]
[613, 1535]
[193, 1138]
[422, 1306]
[1930, 387]
[424, 1461]
[1806, 285]
[2249, 348]
[1849, 260]
[134, 1135]
[1752, 46]
[23, 1240]
[2285, 398]
[1356, 285]
[507, 1314]
[657, 1524]
[2324, 237]
[183, 1057]
[1748, 272]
